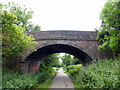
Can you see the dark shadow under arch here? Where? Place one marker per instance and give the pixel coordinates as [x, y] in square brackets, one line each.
[43, 52]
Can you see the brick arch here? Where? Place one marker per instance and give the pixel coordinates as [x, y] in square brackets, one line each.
[51, 48]
[69, 43]
[36, 57]
[42, 44]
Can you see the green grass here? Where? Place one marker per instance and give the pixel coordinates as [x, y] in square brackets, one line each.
[45, 85]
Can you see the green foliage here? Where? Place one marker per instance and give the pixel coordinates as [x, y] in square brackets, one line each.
[70, 60]
[45, 85]
[12, 79]
[72, 69]
[78, 66]
[109, 34]
[17, 80]
[23, 15]
[52, 60]
[71, 64]
[102, 74]
[67, 59]
[47, 65]
[45, 75]
[14, 40]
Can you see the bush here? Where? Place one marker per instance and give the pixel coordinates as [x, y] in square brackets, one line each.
[43, 76]
[69, 67]
[73, 69]
[17, 80]
[102, 74]
[78, 66]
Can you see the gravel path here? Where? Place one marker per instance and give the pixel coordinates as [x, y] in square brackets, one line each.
[62, 80]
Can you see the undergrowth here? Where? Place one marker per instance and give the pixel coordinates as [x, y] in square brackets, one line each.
[101, 74]
[17, 80]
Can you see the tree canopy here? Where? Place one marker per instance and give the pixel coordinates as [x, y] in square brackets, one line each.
[109, 33]
[70, 60]
[14, 40]
[24, 16]
[50, 62]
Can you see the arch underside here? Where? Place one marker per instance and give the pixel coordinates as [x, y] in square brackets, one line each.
[43, 52]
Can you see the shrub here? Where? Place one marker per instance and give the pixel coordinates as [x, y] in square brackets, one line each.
[73, 69]
[70, 67]
[102, 74]
[78, 66]
[43, 76]
[17, 80]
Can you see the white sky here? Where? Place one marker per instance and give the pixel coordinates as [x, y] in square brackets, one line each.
[64, 14]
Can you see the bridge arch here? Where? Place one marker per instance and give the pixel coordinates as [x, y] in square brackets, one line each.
[82, 45]
[35, 58]
[57, 47]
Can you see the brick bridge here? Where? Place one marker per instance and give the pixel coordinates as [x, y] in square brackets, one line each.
[81, 44]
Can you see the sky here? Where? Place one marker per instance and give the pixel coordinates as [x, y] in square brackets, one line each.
[78, 15]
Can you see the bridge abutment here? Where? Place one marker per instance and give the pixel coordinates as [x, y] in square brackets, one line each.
[30, 67]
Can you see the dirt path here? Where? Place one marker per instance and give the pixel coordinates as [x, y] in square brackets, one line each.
[62, 80]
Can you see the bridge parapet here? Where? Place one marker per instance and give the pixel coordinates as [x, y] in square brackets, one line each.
[64, 35]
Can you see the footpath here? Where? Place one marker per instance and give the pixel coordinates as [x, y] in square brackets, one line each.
[62, 80]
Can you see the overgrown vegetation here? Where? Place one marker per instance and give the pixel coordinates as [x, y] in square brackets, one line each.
[72, 69]
[45, 85]
[109, 33]
[24, 16]
[69, 59]
[17, 80]
[15, 21]
[13, 79]
[102, 74]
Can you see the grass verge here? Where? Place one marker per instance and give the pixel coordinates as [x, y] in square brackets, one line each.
[45, 85]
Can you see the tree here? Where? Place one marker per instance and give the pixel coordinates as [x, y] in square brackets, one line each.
[109, 33]
[70, 60]
[50, 62]
[76, 61]
[66, 59]
[14, 40]
[23, 15]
